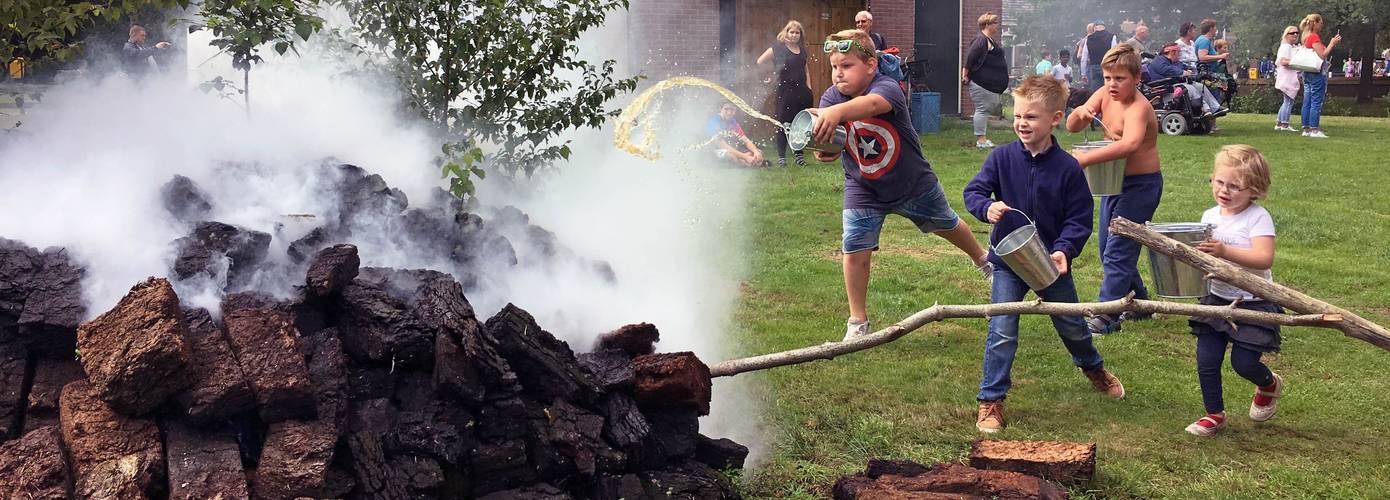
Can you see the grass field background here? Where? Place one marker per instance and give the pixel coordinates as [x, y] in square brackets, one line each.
[914, 398]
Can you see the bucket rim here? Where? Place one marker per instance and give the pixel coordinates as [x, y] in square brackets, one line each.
[1018, 238]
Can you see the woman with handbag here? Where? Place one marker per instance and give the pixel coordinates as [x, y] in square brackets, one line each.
[1314, 81]
[1286, 78]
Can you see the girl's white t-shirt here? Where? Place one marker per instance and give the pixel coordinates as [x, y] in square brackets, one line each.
[1237, 231]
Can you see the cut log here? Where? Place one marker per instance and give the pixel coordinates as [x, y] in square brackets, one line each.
[1053, 460]
[673, 380]
[134, 354]
[1351, 324]
[33, 467]
[204, 464]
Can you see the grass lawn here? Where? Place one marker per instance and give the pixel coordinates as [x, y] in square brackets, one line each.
[914, 398]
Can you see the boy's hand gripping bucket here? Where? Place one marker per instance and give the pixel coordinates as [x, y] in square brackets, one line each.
[1025, 254]
[799, 134]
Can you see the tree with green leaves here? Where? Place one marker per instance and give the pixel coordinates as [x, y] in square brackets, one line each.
[500, 75]
[240, 28]
[1259, 23]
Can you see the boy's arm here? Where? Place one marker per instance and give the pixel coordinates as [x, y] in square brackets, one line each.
[857, 108]
[1139, 115]
[1081, 117]
[979, 192]
[1077, 225]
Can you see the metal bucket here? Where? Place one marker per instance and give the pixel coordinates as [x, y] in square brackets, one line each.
[1025, 254]
[1106, 178]
[799, 134]
[1174, 279]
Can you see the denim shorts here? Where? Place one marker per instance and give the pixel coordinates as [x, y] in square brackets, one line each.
[929, 212]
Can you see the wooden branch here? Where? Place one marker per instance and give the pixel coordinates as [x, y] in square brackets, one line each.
[830, 350]
[1352, 325]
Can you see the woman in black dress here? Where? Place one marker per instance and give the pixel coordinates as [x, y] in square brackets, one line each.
[791, 76]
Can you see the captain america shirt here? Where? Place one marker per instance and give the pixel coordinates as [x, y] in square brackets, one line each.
[883, 161]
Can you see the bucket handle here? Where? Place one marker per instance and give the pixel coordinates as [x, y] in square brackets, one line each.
[1025, 216]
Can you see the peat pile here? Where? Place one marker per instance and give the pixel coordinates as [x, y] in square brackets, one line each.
[370, 383]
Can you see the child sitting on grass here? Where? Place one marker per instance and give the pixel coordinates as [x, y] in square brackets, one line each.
[1244, 235]
[1035, 176]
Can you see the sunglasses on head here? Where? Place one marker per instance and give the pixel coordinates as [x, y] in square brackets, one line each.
[844, 46]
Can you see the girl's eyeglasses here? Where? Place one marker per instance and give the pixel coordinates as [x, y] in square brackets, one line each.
[844, 46]
[1232, 188]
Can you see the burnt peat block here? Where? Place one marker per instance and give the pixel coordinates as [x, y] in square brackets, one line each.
[686, 480]
[18, 264]
[33, 467]
[219, 388]
[111, 454]
[13, 365]
[673, 380]
[720, 454]
[54, 306]
[430, 427]
[467, 366]
[209, 247]
[294, 461]
[267, 348]
[611, 369]
[204, 464]
[574, 445]
[421, 476]
[134, 354]
[1053, 460]
[671, 440]
[328, 370]
[332, 269]
[368, 423]
[542, 491]
[956, 480]
[624, 425]
[365, 198]
[545, 365]
[501, 465]
[184, 200]
[636, 339]
[50, 375]
[377, 327]
[309, 244]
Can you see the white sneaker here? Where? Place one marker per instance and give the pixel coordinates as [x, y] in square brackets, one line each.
[853, 330]
[1305, 133]
[985, 145]
[1317, 134]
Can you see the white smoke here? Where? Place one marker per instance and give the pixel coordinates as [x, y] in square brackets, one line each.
[85, 169]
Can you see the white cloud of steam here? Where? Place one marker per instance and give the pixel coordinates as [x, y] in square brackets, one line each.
[86, 169]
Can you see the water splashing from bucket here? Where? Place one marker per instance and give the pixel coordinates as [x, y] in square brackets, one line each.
[636, 115]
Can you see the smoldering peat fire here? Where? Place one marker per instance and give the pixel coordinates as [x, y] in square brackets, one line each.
[357, 382]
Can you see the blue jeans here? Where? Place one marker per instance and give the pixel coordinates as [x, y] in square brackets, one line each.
[1314, 89]
[1285, 109]
[1002, 342]
[1096, 75]
[1211, 348]
[1119, 256]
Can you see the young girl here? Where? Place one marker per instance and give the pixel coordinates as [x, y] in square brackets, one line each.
[1244, 235]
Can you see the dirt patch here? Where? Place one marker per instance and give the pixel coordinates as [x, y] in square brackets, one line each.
[901, 479]
[1051, 459]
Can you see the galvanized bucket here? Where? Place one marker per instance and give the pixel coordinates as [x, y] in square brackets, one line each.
[1025, 254]
[799, 134]
[1106, 178]
[1174, 279]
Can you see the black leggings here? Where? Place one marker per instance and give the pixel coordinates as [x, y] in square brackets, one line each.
[1211, 348]
[791, 99]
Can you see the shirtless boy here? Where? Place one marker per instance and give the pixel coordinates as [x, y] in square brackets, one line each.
[1130, 122]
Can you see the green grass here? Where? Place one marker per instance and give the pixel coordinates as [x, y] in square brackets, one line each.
[914, 398]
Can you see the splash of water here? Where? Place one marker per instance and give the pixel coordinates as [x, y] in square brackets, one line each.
[635, 115]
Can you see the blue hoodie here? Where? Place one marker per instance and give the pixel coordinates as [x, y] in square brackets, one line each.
[1051, 188]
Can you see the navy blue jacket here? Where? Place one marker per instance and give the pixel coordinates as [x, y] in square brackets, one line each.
[1160, 67]
[1050, 188]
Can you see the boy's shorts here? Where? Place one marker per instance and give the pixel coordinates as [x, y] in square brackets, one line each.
[929, 212]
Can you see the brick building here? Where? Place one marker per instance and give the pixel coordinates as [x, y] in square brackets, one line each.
[721, 39]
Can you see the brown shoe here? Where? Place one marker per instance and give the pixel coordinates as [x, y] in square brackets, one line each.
[1105, 382]
[991, 418]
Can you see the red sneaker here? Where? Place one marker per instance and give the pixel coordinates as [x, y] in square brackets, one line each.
[1208, 425]
[1266, 400]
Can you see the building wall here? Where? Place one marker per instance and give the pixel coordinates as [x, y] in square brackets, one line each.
[895, 19]
[971, 10]
[674, 37]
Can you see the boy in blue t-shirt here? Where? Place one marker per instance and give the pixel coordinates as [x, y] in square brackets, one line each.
[884, 168]
[1034, 176]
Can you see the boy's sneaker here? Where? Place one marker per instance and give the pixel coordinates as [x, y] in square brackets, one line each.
[1266, 400]
[853, 330]
[1207, 425]
[987, 270]
[1305, 132]
[1102, 324]
[1105, 382]
[782, 162]
[800, 160]
[1135, 316]
[984, 145]
[991, 417]
[1317, 134]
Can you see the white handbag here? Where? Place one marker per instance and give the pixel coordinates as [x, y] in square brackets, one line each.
[1305, 59]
